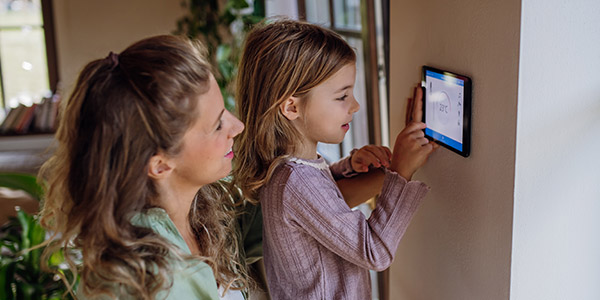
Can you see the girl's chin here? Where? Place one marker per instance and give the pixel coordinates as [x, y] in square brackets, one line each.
[334, 141]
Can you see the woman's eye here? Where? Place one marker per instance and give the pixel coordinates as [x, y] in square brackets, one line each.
[342, 97]
[220, 125]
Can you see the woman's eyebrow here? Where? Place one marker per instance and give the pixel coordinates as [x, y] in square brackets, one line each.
[219, 118]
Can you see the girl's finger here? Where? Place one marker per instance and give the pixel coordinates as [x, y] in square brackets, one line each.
[382, 155]
[422, 141]
[414, 126]
[409, 110]
[388, 152]
[417, 110]
[371, 158]
[417, 134]
[360, 161]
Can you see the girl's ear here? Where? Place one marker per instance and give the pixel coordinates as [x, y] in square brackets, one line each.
[289, 108]
[159, 167]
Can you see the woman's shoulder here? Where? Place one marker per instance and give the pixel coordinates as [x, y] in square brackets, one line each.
[191, 276]
[191, 281]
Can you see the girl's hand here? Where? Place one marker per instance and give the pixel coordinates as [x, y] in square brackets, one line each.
[412, 149]
[377, 156]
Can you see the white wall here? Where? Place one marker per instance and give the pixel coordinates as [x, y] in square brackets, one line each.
[459, 243]
[90, 29]
[556, 238]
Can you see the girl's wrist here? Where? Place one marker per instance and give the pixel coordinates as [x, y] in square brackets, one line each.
[406, 174]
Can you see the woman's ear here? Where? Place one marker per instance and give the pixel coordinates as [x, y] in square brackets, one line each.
[159, 167]
[289, 108]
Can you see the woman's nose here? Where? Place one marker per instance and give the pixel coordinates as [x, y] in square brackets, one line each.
[237, 127]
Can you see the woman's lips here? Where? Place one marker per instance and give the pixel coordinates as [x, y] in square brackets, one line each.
[229, 154]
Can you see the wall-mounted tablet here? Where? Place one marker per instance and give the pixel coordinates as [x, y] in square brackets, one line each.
[447, 109]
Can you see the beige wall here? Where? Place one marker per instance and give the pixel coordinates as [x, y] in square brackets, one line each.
[89, 29]
[459, 243]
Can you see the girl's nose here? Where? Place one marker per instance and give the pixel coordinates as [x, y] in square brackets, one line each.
[355, 106]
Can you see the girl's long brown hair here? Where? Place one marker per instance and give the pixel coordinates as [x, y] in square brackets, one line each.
[281, 58]
[124, 109]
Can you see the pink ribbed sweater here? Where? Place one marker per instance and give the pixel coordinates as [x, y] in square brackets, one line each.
[315, 246]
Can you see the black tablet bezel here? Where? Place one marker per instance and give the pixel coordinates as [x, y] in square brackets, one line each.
[466, 151]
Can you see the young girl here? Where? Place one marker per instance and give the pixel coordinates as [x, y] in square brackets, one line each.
[295, 89]
[142, 132]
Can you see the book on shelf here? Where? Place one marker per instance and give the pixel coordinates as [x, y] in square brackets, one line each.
[13, 115]
[25, 121]
[37, 118]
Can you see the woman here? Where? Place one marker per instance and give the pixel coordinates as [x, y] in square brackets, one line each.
[143, 131]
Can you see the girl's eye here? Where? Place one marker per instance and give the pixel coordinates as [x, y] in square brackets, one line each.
[342, 97]
[220, 125]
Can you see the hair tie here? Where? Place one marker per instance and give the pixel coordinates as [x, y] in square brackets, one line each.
[114, 59]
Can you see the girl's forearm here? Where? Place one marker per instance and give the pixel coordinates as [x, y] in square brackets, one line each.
[362, 187]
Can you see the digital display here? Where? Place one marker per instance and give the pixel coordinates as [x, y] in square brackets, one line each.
[444, 109]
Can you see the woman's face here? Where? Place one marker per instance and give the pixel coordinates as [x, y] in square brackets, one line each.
[206, 151]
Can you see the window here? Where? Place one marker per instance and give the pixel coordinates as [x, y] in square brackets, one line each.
[28, 70]
[360, 23]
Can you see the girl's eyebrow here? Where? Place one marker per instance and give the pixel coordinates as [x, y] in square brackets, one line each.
[344, 88]
[219, 118]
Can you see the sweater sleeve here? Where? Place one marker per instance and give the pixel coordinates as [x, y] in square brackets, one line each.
[315, 204]
[343, 167]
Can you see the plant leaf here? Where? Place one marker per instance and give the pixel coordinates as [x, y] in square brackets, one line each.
[22, 181]
[237, 4]
[23, 218]
[8, 273]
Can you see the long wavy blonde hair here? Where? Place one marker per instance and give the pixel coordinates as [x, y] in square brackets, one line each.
[125, 109]
[281, 58]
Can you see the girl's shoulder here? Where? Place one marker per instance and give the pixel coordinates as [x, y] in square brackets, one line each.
[302, 174]
[314, 165]
[303, 171]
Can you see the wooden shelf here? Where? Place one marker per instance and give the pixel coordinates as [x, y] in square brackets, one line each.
[29, 142]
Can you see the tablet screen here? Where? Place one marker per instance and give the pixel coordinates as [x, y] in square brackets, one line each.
[445, 108]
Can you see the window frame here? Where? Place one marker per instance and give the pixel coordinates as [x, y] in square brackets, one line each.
[368, 35]
[51, 55]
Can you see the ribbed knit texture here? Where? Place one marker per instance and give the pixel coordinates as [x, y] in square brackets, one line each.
[315, 246]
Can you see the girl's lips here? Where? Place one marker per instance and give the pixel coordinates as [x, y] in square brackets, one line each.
[346, 126]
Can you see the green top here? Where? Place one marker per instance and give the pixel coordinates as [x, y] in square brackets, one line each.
[191, 279]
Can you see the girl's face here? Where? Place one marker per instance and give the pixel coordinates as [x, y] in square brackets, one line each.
[207, 146]
[329, 107]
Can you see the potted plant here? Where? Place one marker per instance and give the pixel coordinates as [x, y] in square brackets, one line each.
[22, 275]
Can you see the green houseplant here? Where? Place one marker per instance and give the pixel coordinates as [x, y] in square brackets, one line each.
[21, 273]
[221, 25]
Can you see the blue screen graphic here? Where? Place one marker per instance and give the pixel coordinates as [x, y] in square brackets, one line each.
[446, 140]
[444, 108]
